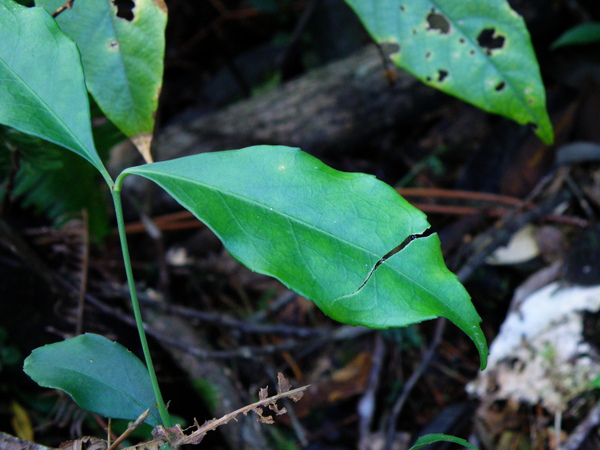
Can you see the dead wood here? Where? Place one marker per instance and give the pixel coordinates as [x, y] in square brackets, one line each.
[335, 108]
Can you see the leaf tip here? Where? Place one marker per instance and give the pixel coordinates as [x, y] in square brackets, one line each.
[480, 342]
[142, 142]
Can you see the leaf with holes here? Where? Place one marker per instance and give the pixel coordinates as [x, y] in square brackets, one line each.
[346, 241]
[122, 50]
[478, 51]
[42, 90]
[100, 375]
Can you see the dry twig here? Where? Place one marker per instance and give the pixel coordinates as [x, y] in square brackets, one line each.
[176, 437]
[67, 5]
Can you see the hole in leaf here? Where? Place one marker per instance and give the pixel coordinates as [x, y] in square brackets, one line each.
[442, 74]
[437, 21]
[414, 31]
[471, 52]
[500, 86]
[489, 40]
[125, 9]
[427, 55]
[402, 8]
[461, 41]
[428, 79]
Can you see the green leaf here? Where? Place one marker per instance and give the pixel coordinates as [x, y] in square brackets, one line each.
[585, 33]
[122, 53]
[323, 233]
[42, 91]
[424, 441]
[478, 51]
[100, 375]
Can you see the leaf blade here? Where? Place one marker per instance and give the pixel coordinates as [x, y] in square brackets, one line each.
[100, 375]
[479, 52]
[283, 213]
[42, 91]
[122, 58]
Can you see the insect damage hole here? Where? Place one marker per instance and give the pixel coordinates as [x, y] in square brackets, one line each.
[442, 74]
[500, 86]
[437, 21]
[490, 41]
[125, 9]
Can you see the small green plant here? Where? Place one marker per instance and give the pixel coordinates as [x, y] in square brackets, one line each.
[346, 241]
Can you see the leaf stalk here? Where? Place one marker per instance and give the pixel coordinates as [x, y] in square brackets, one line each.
[160, 404]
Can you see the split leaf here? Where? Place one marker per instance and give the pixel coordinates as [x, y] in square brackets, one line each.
[324, 233]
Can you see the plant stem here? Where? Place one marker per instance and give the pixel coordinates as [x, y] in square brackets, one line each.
[162, 409]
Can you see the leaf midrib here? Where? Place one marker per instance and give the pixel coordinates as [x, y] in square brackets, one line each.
[70, 370]
[32, 94]
[369, 274]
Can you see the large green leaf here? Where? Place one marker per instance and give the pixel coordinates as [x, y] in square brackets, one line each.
[479, 51]
[100, 375]
[122, 52]
[42, 90]
[323, 233]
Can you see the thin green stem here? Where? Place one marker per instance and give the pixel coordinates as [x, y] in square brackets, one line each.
[162, 409]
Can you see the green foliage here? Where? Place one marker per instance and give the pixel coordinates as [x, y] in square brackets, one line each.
[122, 57]
[100, 375]
[325, 234]
[585, 33]
[479, 51]
[43, 92]
[424, 441]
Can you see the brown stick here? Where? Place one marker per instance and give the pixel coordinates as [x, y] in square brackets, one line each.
[68, 5]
